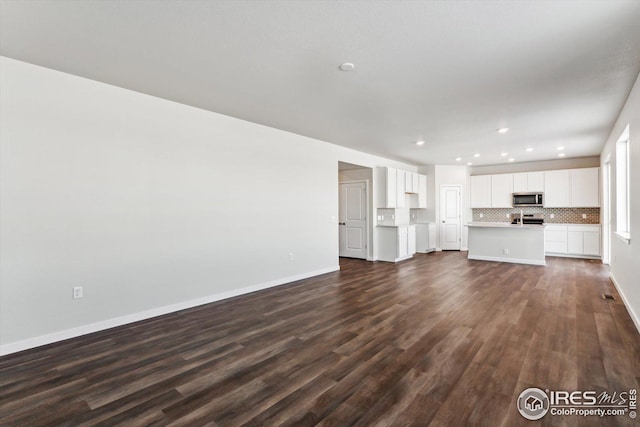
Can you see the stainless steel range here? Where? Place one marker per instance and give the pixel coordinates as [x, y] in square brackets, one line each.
[527, 219]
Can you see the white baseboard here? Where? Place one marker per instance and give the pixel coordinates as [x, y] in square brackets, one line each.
[147, 314]
[511, 260]
[572, 255]
[625, 301]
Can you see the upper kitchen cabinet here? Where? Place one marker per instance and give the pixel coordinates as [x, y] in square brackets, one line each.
[481, 191]
[556, 189]
[577, 188]
[535, 181]
[416, 182]
[387, 187]
[408, 182]
[585, 187]
[411, 182]
[527, 182]
[501, 190]
[400, 188]
[393, 185]
[422, 191]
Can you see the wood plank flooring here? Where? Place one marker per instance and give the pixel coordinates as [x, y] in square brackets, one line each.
[437, 340]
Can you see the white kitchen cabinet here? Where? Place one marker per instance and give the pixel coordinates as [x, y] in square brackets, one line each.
[411, 240]
[520, 183]
[585, 187]
[527, 182]
[555, 239]
[574, 240]
[387, 187]
[481, 191]
[592, 242]
[403, 242]
[408, 182]
[411, 182]
[501, 190]
[425, 237]
[578, 188]
[556, 189]
[535, 181]
[416, 182]
[395, 243]
[422, 191]
[400, 188]
[584, 240]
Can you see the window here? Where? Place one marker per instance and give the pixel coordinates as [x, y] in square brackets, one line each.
[622, 187]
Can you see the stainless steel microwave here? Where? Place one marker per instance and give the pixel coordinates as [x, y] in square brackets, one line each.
[528, 199]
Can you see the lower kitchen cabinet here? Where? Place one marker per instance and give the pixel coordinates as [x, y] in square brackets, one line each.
[583, 240]
[574, 240]
[396, 243]
[425, 238]
[555, 239]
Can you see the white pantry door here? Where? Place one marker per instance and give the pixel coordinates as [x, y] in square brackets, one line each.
[450, 218]
[353, 220]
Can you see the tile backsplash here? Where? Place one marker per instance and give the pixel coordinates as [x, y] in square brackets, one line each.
[560, 215]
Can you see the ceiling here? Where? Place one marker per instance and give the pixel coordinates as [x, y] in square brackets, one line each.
[450, 73]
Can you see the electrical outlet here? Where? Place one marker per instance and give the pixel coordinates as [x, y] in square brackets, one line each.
[508, 215]
[290, 256]
[77, 292]
[552, 216]
[505, 251]
[584, 216]
[481, 215]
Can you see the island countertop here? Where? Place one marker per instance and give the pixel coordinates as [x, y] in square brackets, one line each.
[506, 225]
[504, 242]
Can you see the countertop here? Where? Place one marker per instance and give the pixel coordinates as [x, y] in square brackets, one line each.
[505, 225]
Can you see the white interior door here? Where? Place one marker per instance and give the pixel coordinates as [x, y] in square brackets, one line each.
[450, 218]
[353, 220]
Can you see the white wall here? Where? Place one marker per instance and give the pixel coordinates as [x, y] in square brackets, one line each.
[150, 205]
[625, 269]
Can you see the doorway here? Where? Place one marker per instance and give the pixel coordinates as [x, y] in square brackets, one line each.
[450, 221]
[352, 219]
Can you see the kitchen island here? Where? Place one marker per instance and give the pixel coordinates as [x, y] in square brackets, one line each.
[504, 242]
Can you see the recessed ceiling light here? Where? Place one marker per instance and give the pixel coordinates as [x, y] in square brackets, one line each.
[529, 149]
[561, 154]
[512, 159]
[469, 163]
[504, 154]
[476, 155]
[560, 148]
[420, 142]
[503, 130]
[347, 66]
[458, 159]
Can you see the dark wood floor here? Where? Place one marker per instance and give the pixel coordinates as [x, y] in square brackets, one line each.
[437, 340]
